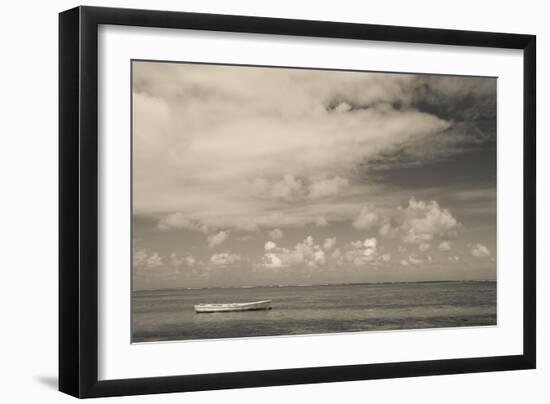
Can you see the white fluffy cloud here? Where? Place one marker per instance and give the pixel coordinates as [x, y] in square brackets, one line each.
[454, 258]
[185, 261]
[273, 261]
[306, 253]
[366, 219]
[388, 231]
[370, 243]
[223, 260]
[419, 222]
[190, 260]
[276, 234]
[336, 254]
[479, 250]
[155, 260]
[360, 253]
[321, 187]
[444, 246]
[288, 188]
[423, 221]
[270, 245]
[318, 258]
[416, 259]
[329, 243]
[291, 188]
[216, 239]
[141, 259]
[321, 221]
[424, 246]
[175, 260]
[154, 266]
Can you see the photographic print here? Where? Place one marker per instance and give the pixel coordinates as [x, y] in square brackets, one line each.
[270, 201]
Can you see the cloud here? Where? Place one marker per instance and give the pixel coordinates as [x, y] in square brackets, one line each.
[312, 253]
[178, 262]
[388, 231]
[223, 260]
[306, 253]
[414, 238]
[272, 261]
[424, 246]
[329, 243]
[190, 260]
[471, 105]
[370, 243]
[342, 107]
[454, 258]
[157, 269]
[367, 218]
[291, 188]
[270, 245]
[270, 154]
[370, 247]
[227, 146]
[276, 234]
[321, 221]
[456, 86]
[423, 221]
[416, 260]
[360, 253]
[404, 263]
[141, 259]
[444, 246]
[288, 188]
[479, 250]
[179, 221]
[216, 239]
[323, 187]
[482, 195]
[419, 222]
[318, 258]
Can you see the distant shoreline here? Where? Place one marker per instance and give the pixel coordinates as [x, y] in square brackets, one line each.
[316, 285]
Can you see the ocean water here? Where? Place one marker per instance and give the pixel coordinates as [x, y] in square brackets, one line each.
[167, 315]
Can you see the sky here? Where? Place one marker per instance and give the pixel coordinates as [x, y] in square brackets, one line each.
[246, 176]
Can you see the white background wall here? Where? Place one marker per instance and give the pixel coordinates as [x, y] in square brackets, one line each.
[28, 175]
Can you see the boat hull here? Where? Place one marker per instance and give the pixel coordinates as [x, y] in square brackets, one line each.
[229, 307]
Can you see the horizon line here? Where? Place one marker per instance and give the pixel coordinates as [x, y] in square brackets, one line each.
[309, 285]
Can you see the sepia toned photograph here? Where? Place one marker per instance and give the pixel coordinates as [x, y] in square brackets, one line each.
[271, 201]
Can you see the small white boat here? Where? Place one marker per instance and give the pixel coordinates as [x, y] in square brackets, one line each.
[224, 307]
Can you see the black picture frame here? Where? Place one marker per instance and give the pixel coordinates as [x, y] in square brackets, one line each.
[78, 201]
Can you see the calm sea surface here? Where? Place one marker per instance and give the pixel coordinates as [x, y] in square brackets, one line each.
[164, 315]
